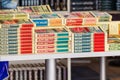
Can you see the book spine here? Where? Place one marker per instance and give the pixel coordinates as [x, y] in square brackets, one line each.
[34, 2]
[41, 2]
[26, 2]
[22, 3]
[0, 4]
[52, 4]
[31, 2]
[63, 5]
[46, 2]
[57, 5]
[37, 2]
[97, 4]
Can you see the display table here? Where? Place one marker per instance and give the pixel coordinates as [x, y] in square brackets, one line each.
[50, 60]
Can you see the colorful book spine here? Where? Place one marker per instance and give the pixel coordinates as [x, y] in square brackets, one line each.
[99, 42]
[26, 38]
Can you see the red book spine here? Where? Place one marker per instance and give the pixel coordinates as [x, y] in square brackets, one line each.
[27, 25]
[26, 38]
[74, 22]
[26, 52]
[99, 42]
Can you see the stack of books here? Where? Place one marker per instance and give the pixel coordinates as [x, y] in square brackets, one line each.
[114, 36]
[56, 5]
[44, 20]
[102, 16]
[16, 36]
[99, 40]
[83, 5]
[42, 31]
[114, 43]
[118, 5]
[88, 39]
[72, 19]
[80, 18]
[106, 5]
[88, 17]
[41, 9]
[25, 37]
[51, 40]
[9, 38]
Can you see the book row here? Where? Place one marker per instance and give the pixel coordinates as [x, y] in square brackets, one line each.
[47, 18]
[56, 5]
[27, 39]
[38, 32]
[63, 5]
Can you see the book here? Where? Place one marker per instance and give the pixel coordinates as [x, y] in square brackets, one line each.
[0, 4]
[64, 5]
[32, 3]
[57, 5]
[25, 2]
[52, 4]
[41, 2]
[22, 2]
[28, 2]
[46, 1]
[37, 2]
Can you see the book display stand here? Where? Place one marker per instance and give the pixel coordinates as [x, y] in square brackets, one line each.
[36, 33]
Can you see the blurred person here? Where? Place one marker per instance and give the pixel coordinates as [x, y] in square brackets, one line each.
[9, 4]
